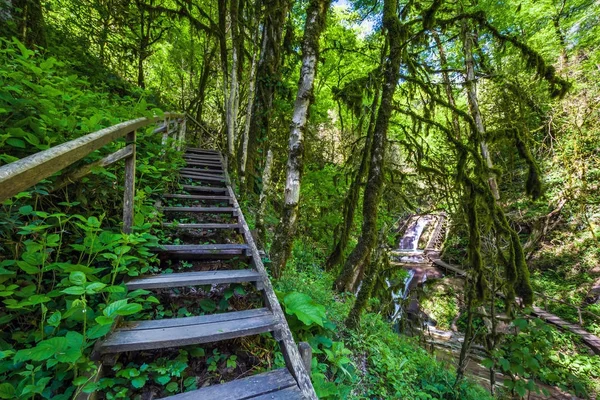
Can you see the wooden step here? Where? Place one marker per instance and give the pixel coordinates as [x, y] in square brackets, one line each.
[236, 227]
[216, 167]
[277, 384]
[178, 332]
[206, 210]
[212, 159]
[210, 172]
[199, 150]
[218, 199]
[199, 188]
[198, 177]
[182, 279]
[202, 160]
[206, 250]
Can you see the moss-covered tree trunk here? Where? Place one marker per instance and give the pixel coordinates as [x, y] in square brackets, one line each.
[267, 78]
[471, 86]
[232, 104]
[351, 200]
[374, 186]
[316, 14]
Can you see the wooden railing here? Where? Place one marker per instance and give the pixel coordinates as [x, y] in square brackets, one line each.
[26, 172]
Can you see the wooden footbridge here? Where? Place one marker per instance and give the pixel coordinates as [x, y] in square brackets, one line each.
[206, 192]
[432, 255]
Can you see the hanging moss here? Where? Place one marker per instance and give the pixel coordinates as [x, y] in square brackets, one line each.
[533, 186]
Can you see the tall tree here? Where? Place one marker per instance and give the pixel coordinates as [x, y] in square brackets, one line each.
[316, 14]
[267, 78]
[360, 256]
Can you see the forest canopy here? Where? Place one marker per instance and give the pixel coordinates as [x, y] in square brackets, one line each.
[342, 123]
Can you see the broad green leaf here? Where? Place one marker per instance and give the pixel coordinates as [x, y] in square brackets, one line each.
[7, 391]
[129, 309]
[74, 290]
[77, 278]
[43, 351]
[303, 307]
[138, 382]
[54, 319]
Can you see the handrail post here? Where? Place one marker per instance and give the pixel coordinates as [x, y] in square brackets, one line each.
[129, 195]
[580, 317]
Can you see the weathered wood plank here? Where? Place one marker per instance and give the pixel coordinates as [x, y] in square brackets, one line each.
[199, 177]
[26, 172]
[241, 389]
[149, 339]
[207, 210]
[86, 169]
[201, 226]
[196, 197]
[286, 340]
[129, 192]
[216, 167]
[210, 172]
[194, 279]
[591, 340]
[290, 393]
[207, 247]
[200, 188]
[201, 151]
[213, 251]
[196, 320]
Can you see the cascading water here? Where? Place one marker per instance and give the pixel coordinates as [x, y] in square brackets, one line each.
[399, 296]
[410, 240]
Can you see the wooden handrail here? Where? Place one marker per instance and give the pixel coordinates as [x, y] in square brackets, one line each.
[28, 171]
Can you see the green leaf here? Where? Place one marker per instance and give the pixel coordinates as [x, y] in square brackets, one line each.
[28, 268]
[98, 331]
[207, 305]
[54, 319]
[303, 307]
[43, 351]
[77, 278]
[14, 142]
[172, 387]
[138, 382]
[129, 309]
[74, 290]
[7, 391]
[163, 379]
[113, 307]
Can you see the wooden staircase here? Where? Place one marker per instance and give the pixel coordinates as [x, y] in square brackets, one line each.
[206, 186]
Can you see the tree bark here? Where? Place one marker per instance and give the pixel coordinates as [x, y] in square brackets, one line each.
[353, 192]
[232, 107]
[316, 15]
[471, 86]
[447, 83]
[368, 238]
[28, 19]
[267, 78]
[262, 200]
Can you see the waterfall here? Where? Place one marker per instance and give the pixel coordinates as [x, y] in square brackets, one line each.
[410, 240]
[396, 296]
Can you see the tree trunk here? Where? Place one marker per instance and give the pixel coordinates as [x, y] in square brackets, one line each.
[267, 78]
[232, 106]
[28, 20]
[368, 238]
[471, 85]
[447, 83]
[243, 151]
[353, 192]
[244, 141]
[222, 11]
[262, 200]
[316, 15]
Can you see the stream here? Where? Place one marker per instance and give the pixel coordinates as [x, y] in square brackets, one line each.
[446, 345]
